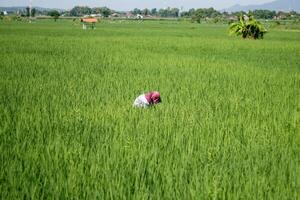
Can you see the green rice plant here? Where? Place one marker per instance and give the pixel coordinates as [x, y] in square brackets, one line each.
[228, 127]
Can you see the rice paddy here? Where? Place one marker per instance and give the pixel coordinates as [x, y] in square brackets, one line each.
[228, 127]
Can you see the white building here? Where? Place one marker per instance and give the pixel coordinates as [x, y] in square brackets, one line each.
[138, 16]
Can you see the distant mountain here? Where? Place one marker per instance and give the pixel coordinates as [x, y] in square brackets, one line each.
[278, 5]
[19, 8]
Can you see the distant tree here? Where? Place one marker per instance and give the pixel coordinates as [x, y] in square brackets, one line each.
[27, 12]
[168, 12]
[174, 12]
[263, 14]
[136, 11]
[163, 12]
[153, 11]
[192, 11]
[288, 15]
[238, 14]
[294, 14]
[55, 14]
[96, 10]
[185, 14]
[105, 11]
[146, 11]
[80, 11]
[225, 14]
[203, 13]
[282, 15]
[33, 11]
[66, 13]
[250, 28]
[189, 13]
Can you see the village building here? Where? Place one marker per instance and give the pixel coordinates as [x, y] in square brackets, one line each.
[88, 23]
[138, 16]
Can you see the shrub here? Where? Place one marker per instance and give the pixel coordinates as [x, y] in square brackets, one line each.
[248, 28]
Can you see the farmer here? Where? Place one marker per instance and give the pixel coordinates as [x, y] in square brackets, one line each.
[147, 100]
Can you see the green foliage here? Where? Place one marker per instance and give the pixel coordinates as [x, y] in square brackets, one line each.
[154, 11]
[17, 18]
[84, 10]
[146, 12]
[54, 13]
[228, 127]
[80, 11]
[30, 12]
[263, 14]
[204, 13]
[189, 13]
[104, 11]
[168, 12]
[33, 12]
[27, 12]
[13, 18]
[137, 11]
[248, 28]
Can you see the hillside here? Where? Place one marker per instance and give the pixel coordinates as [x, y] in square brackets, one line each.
[279, 5]
[18, 8]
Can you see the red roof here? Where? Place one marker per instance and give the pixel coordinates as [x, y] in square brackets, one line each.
[89, 20]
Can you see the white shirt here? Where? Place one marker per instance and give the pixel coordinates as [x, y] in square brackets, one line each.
[141, 102]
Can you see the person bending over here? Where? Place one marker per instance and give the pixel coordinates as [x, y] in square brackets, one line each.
[147, 100]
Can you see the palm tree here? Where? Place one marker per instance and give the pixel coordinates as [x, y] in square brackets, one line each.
[250, 28]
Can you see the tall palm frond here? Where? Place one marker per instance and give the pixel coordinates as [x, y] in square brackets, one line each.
[250, 28]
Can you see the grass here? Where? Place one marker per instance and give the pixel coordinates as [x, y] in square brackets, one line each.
[228, 127]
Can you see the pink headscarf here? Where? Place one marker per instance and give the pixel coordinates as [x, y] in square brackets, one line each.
[153, 97]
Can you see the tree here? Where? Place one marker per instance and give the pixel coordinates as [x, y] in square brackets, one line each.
[238, 14]
[105, 11]
[27, 12]
[250, 28]
[80, 11]
[55, 14]
[204, 13]
[33, 11]
[146, 11]
[154, 11]
[136, 11]
[163, 12]
[263, 14]
[174, 12]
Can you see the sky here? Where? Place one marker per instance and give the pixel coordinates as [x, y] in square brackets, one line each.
[131, 4]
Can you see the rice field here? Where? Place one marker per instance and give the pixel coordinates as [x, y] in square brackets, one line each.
[228, 127]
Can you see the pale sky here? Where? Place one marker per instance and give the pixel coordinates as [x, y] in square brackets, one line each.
[131, 4]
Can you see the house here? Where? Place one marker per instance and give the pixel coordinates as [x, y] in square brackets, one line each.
[114, 15]
[138, 16]
[129, 15]
[233, 18]
[95, 15]
[88, 23]
[246, 17]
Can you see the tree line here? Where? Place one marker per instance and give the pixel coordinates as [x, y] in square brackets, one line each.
[195, 14]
